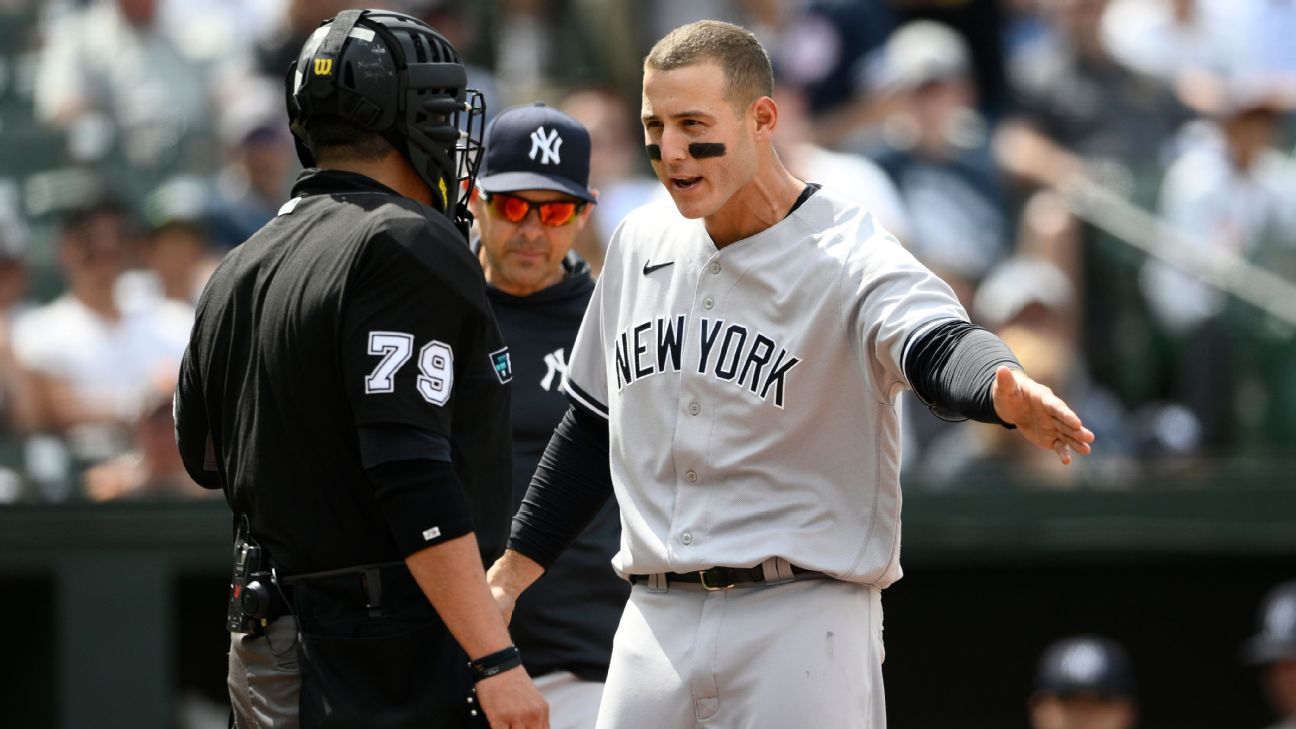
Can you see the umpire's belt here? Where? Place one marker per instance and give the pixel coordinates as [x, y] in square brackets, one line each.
[720, 578]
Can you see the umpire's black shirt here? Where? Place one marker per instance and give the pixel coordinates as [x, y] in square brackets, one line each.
[354, 308]
[566, 620]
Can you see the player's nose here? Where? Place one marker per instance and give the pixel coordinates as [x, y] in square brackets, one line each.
[674, 146]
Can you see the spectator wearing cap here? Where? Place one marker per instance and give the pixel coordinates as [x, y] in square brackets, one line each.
[260, 162]
[1030, 304]
[1273, 651]
[935, 148]
[534, 200]
[177, 252]
[1084, 682]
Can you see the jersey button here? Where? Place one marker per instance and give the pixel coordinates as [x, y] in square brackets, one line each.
[691, 476]
[694, 408]
[686, 537]
[714, 267]
[708, 302]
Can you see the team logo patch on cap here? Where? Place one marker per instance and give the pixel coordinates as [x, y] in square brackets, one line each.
[503, 365]
[546, 145]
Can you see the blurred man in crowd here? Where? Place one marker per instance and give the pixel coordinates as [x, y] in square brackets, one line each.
[935, 148]
[91, 357]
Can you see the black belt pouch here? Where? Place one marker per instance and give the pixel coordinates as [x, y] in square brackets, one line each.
[389, 667]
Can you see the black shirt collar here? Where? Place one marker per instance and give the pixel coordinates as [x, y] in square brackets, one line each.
[316, 181]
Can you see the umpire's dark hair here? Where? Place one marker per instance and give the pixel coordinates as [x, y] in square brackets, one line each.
[748, 74]
[332, 137]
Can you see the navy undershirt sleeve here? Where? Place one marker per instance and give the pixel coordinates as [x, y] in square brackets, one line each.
[951, 367]
[570, 486]
[415, 485]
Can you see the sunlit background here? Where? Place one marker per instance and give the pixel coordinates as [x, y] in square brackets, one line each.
[1107, 184]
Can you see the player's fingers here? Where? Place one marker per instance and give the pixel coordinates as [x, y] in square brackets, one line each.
[1078, 446]
[1063, 451]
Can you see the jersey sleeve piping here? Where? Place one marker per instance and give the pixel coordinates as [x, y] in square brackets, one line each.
[583, 399]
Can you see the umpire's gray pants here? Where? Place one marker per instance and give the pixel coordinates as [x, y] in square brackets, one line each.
[263, 679]
[804, 654]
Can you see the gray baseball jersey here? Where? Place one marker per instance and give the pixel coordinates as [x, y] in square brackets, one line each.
[750, 390]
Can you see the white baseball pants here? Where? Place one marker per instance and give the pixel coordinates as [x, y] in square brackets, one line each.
[804, 654]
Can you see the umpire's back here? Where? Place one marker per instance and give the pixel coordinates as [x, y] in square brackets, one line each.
[306, 332]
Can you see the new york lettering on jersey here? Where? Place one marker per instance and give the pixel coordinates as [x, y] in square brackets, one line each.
[732, 352]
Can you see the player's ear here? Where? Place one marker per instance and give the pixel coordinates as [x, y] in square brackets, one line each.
[764, 117]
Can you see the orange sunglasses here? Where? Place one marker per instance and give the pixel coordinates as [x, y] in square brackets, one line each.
[554, 213]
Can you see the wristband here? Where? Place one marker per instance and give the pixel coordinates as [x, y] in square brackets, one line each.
[495, 663]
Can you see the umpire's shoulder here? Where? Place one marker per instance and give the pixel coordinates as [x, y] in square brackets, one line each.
[407, 229]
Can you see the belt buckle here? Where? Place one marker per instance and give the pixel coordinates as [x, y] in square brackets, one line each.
[702, 577]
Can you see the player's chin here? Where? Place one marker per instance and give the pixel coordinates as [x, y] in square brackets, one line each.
[691, 202]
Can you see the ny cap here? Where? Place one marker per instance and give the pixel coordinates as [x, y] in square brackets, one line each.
[536, 148]
[924, 51]
[1086, 664]
[1276, 639]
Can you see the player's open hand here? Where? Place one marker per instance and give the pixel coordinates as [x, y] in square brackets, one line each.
[1040, 416]
[511, 701]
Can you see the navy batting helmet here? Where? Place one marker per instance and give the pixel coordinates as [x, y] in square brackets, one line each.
[392, 74]
[1086, 664]
[1277, 637]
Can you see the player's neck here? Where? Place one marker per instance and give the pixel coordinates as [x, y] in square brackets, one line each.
[759, 205]
[392, 171]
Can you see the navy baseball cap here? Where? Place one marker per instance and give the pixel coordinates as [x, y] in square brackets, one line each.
[536, 148]
[1276, 640]
[1086, 664]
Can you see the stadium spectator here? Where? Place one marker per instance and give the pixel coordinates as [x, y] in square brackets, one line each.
[1080, 110]
[151, 469]
[854, 176]
[91, 357]
[114, 79]
[935, 147]
[259, 163]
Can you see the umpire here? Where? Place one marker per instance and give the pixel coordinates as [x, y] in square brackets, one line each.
[346, 386]
[535, 201]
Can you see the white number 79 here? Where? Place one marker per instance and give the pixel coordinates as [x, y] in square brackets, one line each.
[436, 365]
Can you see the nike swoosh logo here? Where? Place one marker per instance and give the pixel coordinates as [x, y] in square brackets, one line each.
[649, 269]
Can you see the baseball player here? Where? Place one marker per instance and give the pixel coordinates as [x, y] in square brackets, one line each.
[734, 382]
[1273, 650]
[535, 201]
[346, 386]
[1084, 682]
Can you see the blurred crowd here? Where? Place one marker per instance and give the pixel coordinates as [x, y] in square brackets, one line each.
[143, 138]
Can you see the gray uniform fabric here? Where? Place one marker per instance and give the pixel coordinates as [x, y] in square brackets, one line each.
[263, 680]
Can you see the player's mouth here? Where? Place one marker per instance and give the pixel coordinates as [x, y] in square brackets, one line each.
[685, 183]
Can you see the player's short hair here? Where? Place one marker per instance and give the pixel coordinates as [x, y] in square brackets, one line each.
[748, 74]
[334, 138]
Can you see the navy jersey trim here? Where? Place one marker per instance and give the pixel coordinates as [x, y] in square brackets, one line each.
[583, 399]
